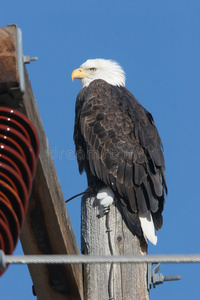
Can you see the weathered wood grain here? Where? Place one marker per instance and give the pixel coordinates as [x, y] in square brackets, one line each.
[9, 77]
[129, 281]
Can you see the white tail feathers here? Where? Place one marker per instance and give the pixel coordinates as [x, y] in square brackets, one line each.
[148, 228]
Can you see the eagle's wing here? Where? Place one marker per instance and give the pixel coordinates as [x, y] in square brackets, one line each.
[122, 148]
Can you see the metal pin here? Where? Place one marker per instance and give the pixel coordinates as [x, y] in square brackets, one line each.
[157, 278]
[27, 59]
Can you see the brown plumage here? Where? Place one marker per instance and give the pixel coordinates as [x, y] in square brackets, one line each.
[118, 145]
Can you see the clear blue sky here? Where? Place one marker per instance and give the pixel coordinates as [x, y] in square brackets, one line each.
[158, 45]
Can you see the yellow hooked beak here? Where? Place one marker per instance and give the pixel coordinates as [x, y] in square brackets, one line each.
[79, 73]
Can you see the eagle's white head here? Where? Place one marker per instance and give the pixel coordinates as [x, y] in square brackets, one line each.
[105, 69]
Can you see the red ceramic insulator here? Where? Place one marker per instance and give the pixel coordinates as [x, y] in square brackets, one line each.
[26, 123]
[19, 151]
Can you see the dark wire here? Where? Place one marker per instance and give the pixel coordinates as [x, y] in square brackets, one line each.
[111, 252]
[74, 197]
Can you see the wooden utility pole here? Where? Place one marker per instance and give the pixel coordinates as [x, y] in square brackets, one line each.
[127, 281]
[47, 227]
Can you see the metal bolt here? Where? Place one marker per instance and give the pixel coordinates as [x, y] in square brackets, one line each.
[27, 59]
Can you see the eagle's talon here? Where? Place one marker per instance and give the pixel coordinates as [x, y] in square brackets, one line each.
[103, 211]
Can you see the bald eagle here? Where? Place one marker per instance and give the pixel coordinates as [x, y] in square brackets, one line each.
[119, 148]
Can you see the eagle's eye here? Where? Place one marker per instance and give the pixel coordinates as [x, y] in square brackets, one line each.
[92, 69]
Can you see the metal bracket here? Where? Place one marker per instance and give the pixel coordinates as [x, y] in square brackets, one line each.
[155, 278]
[2, 261]
[21, 60]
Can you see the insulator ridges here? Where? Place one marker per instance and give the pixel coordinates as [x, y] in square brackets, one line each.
[19, 151]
